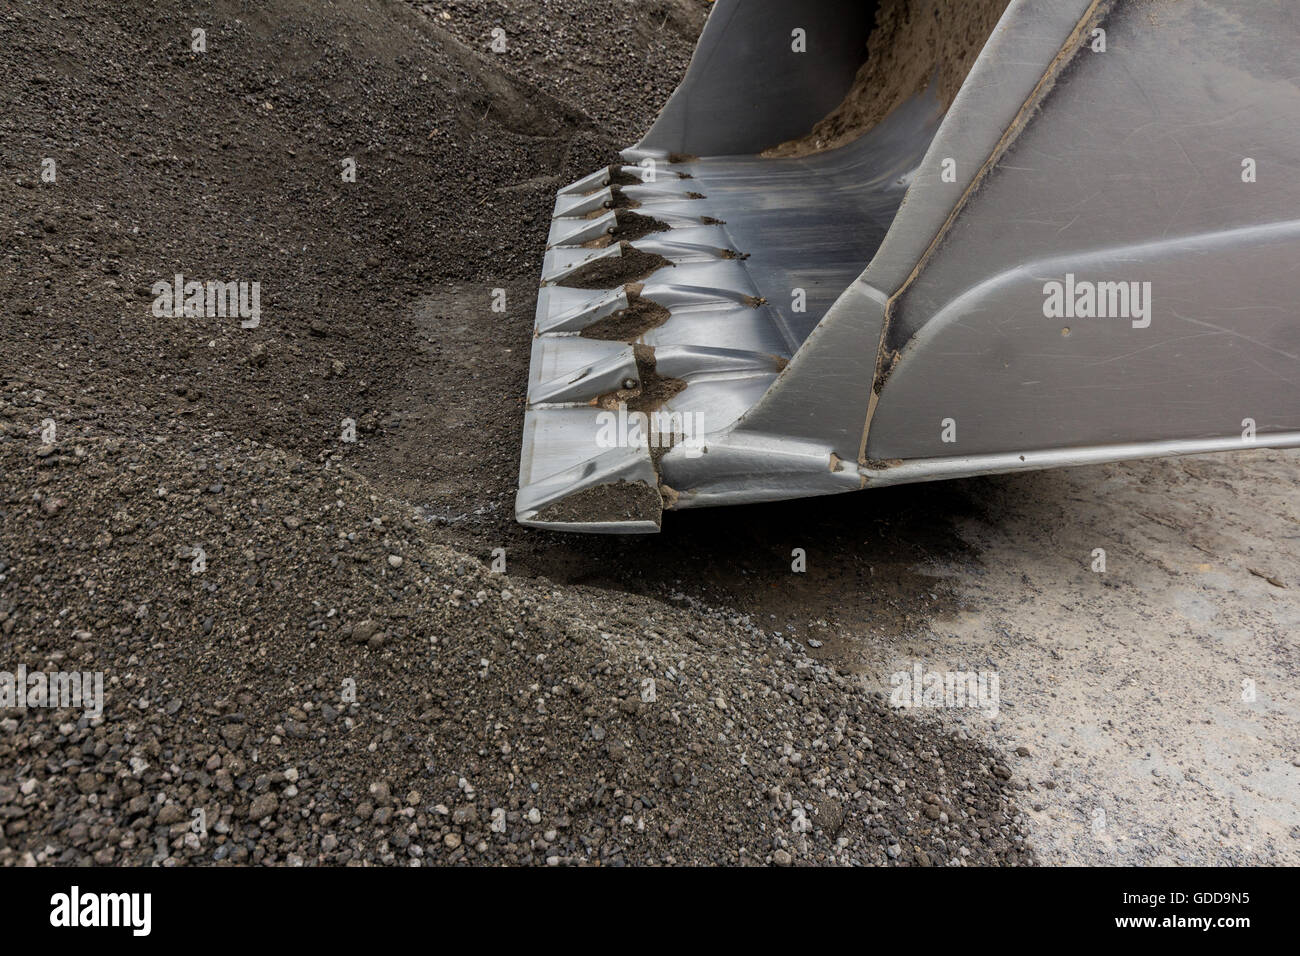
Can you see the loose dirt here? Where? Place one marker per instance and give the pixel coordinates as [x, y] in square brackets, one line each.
[628, 325]
[279, 544]
[610, 272]
[915, 43]
[629, 227]
[617, 501]
[633, 226]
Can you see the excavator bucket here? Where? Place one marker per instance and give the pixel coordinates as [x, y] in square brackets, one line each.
[872, 243]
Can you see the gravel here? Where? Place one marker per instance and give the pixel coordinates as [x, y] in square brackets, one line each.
[300, 682]
[341, 677]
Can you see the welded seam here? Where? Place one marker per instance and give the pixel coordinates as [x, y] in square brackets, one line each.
[1072, 47]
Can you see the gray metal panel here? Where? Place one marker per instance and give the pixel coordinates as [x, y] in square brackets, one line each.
[748, 90]
[1008, 72]
[1213, 355]
[811, 223]
[825, 394]
[1142, 142]
[1130, 171]
[840, 358]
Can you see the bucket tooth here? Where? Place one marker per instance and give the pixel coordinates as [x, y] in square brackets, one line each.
[653, 195]
[591, 183]
[569, 482]
[562, 261]
[571, 310]
[577, 231]
[581, 371]
[693, 244]
[693, 362]
[583, 206]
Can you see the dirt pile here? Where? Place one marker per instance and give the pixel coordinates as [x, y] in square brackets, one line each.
[229, 165]
[612, 58]
[341, 678]
[915, 43]
[331, 684]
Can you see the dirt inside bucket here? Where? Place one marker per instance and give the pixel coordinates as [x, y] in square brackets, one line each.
[618, 501]
[914, 43]
[630, 227]
[652, 392]
[633, 225]
[617, 177]
[655, 388]
[629, 324]
[621, 200]
[632, 265]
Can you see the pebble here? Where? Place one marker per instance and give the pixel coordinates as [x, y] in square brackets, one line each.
[171, 813]
[263, 806]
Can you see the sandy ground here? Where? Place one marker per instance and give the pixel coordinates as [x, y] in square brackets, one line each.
[1131, 689]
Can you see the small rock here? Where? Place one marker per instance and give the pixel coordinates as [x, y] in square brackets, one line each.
[171, 813]
[263, 806]
[829, 815]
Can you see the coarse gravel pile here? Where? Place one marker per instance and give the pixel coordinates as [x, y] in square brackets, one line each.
[332, 685]
[288, 642]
